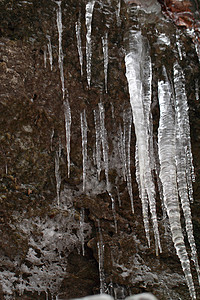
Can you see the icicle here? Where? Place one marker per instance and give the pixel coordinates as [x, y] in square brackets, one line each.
[113, 210]
[179, 49]
[197, 47]
[134, 70]
[84, 146]
[197, 89]
[78, 38]
[104, 142]
[82, 217]
[182, 143]
[60, 51]
[127, 119]
[100, 246]
[184, 125]
[121, 152]
[52, 135]
[118, 197]
[67, 112]
[167, 152]
[147, 95]
[98, 142]
[143, 197]
[88, 22]
[58, 177]
[105, 55]
[45, 57]
[50, 51]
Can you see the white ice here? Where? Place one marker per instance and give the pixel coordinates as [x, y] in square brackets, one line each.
[88, 22]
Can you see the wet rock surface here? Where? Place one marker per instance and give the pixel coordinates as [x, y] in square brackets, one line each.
[41, 243]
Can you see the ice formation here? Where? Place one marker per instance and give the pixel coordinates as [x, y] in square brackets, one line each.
[67, 113]
[105, 55]
[98, 141]
[139, 90]
[168, 175]
[127, 120]
[100, 247]
[84, 146]
[184, 164]
[60, 51]
[88, 21]
[79, 44]
[121, 151]
[50, 52]
[113, 211]
[57, 176]
[45, 57]
[104, 141]
[197, 89]
[124, 143]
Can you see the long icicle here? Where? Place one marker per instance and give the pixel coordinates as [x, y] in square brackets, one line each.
[105, 55]
[127, 119]
[100, 247]
[67, 113]
[121, 151]
[104, 142]
[60, 51]
[88, 22]
[50, 51]
[79, 45]
[98, 142]
[57, 176]
[84, 147]
[134, 70]
[182, 149]
[168, 176]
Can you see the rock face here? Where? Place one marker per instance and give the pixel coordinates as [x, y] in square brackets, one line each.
[71, 232]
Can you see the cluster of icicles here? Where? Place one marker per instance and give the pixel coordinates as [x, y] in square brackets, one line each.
[170, 157]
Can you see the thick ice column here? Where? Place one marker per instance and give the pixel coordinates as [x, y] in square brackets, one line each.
[134, 69]
[84, 146]
[60, 51]
[78, 38]
[183, 152]
[105, 55]
[88, 22]
[168, 176]
[67, 112]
